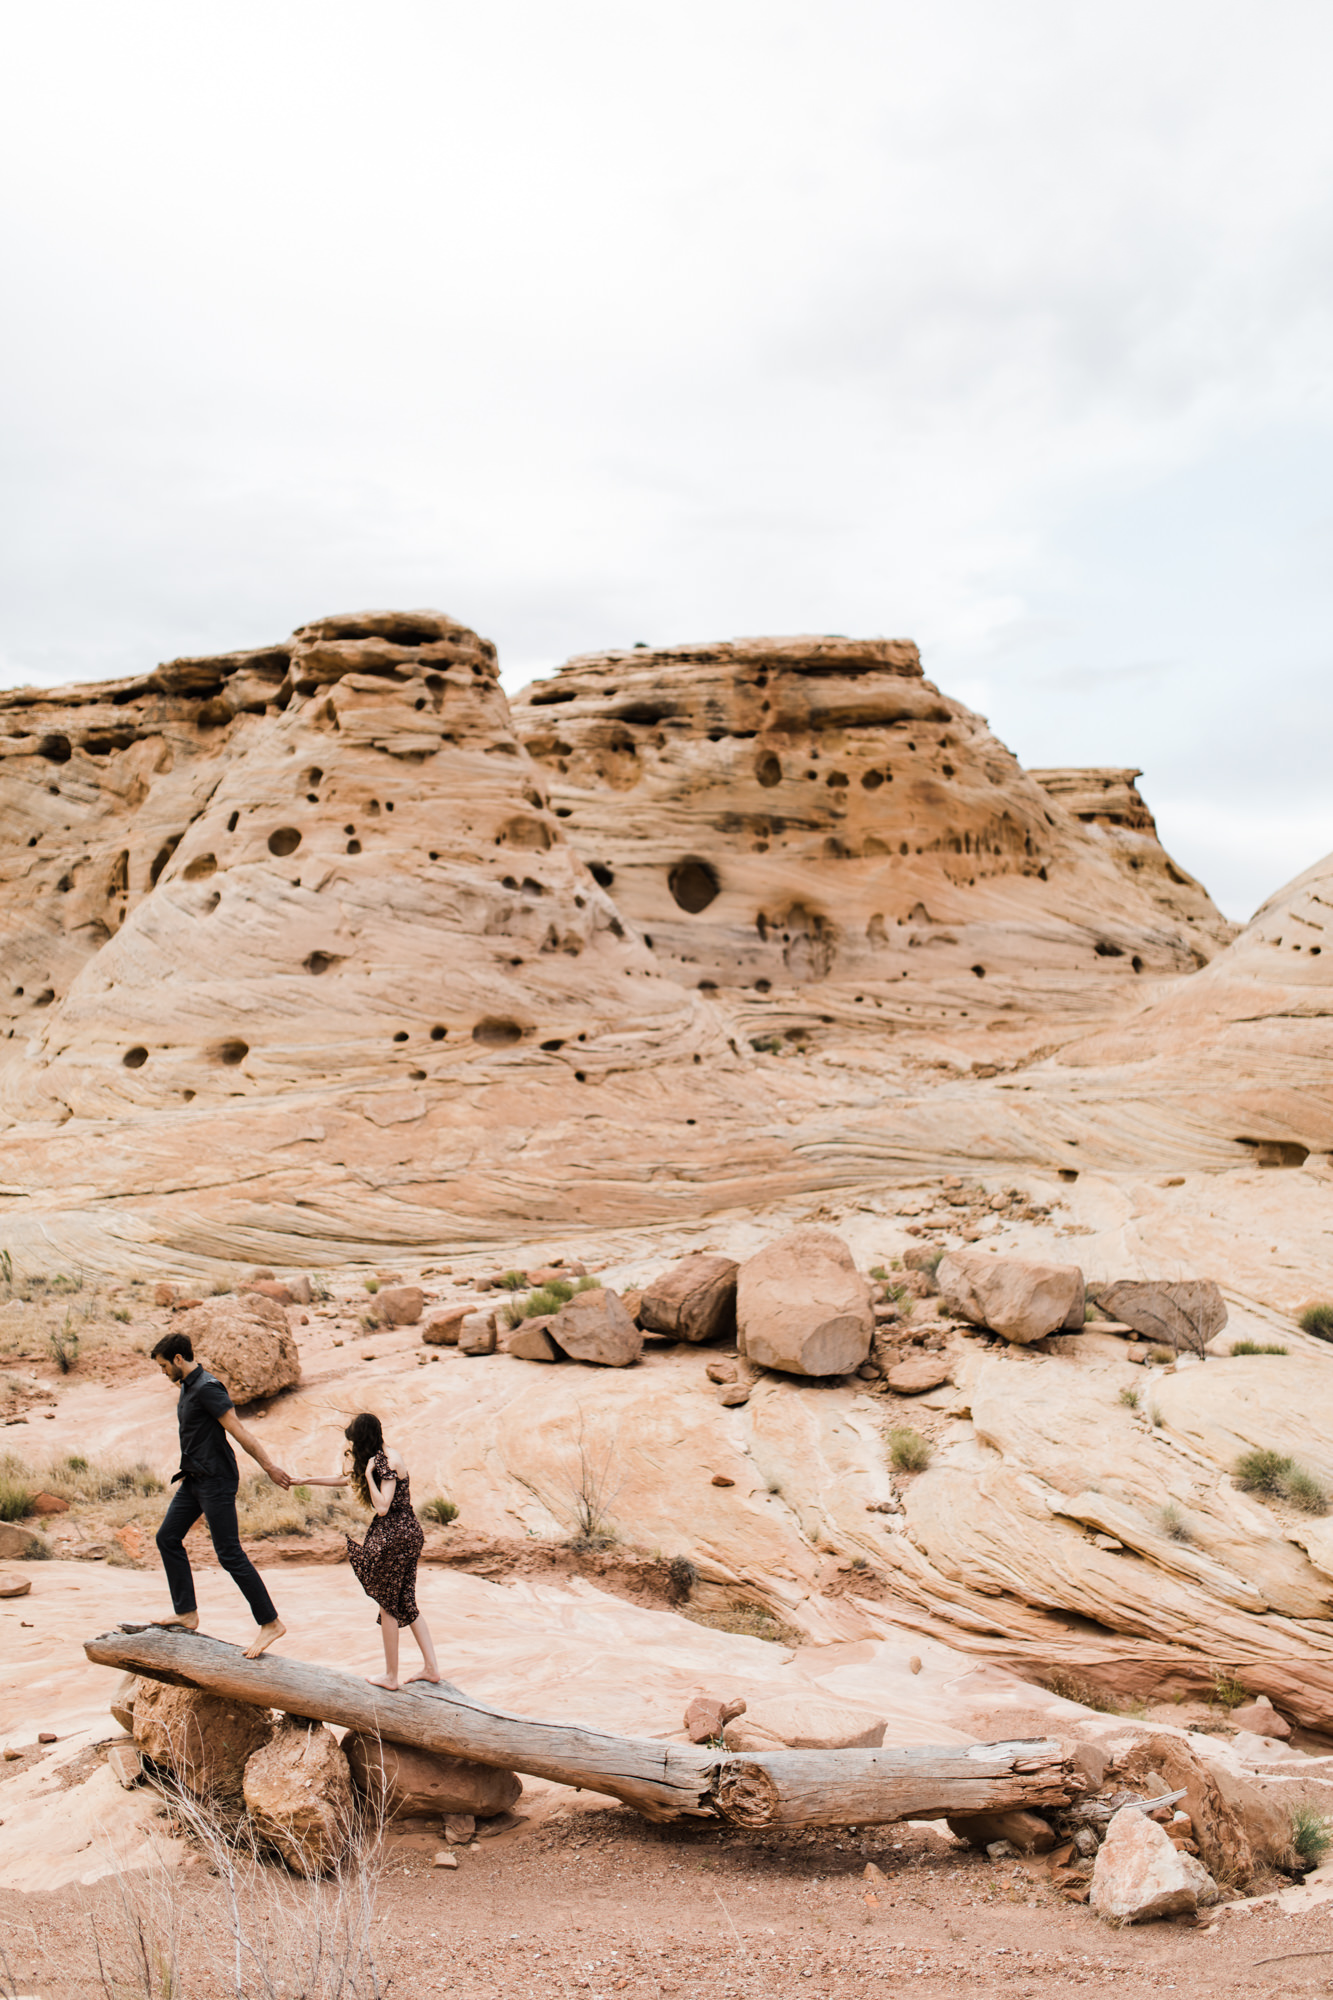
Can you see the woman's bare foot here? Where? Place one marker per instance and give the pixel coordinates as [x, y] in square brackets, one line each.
[391, 1687]
[185, 1621]
[264, 1638]
[423, 1676]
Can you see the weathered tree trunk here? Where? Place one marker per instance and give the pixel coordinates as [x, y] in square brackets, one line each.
[663, 1781]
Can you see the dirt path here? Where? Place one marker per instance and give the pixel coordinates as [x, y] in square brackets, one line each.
[586, 1899]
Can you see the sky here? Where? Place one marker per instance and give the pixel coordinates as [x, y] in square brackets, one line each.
[1006, 327]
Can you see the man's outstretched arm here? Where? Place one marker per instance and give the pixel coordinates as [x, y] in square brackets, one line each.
[231, 1423]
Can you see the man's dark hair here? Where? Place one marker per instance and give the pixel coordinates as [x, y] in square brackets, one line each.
[173, 1347]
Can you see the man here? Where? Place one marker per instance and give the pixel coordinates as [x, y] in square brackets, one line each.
[208, 1482]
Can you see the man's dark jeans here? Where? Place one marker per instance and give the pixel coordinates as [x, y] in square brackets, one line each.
[215, 1499]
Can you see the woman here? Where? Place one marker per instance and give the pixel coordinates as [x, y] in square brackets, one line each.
[386, 1562]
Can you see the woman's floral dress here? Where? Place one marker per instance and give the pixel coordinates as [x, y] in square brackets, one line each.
[385, 1564]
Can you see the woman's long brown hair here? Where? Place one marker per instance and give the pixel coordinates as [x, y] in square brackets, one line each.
[366, 1436]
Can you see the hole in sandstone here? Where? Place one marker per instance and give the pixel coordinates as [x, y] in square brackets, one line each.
[768, 770]
[201, 868]
[44, 999]
[349, 829]
[188, 1095]
[871, 780]
[417, 1075]
[313, 776]
[693, 883]
[837, 780]
[354, 847]
[708, 986]
[1276, 1152]
[1067, 1173]
[232, 1052]
[401, 1035]
[233, 822]
[1137, 962]
[579, 1076]
[493, 1033]
[551, 1047]
[211, 903]
[284, 840]
[319, 961]
[979, 971]
[373, 809]
[601, 874]
[763, 986]
[135, 1058]
[437, 1033]
[531, 887]
[1105, 949]
[55, 749]
[647, 940]
[162, 857]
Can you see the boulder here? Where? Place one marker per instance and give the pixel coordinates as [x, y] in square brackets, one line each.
[803, 1307]
[202, 1739]
[706, 1717]
[14, 1586]
[1163, 1761]
[923, 1371]
[1261, 1717]
[20, 1544]
[459, 1828]
[732, 1394]
[924, 1261]
[1185, 1315]
[400, 1305]
[1139, 1875]
[270, 1288]
[298, 1791]
[476, 1333]
[694, 1300]
[442, 1329]
[48, 1503]
[594, 1326]
[424, 1784]
[1027, 1832]
[164, 1295]
[531, 1340]
[246, 1342]
[300, 1289]
[806, 1722]
[1016, 1296]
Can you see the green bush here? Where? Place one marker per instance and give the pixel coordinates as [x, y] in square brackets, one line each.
[1318, 1320]
[1256, 1347]
[1282, 1479]
[548, 1299]
[908, 1450]
[1130, 1398]
[1227, 1690]
[513, 1281]
[1311, 1834]
[372, 1285]
[440, 1511]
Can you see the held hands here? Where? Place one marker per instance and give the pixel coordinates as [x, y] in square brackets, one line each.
[279, 1477]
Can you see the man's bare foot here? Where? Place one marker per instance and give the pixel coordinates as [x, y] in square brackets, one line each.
[264, 1638]
[424, 1676]
[185, 1621]
[390, 1687]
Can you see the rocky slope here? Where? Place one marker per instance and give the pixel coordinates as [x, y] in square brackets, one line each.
[313, 953]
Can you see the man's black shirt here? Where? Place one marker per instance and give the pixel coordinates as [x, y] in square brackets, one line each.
[205, 1450]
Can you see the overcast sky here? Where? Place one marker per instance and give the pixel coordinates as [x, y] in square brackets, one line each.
[1007, 326]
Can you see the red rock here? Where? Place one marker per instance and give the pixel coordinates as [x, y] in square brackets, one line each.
[441, 1329]
[721, 1479]
[48, 1503]
[1261, 1717]
[531, 1340]
[912, 1378]
[721, 1370]
[694, 1300]
[400, 1305]
[47, 1736]
[732, 1394]
[803, 1307]
[594, 1326]
[1139, 1875]
[164, 1295]
[707, 1716]
[269, 1288]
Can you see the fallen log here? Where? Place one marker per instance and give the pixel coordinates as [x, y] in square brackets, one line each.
[663, 1781]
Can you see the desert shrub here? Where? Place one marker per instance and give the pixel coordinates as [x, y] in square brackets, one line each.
[1162, 1356]
[1256, 1347]
[15, 1497]
[1173, 1523]
[548, 1299]
[1130, 1398]
[1311, 1834]
[122, 1313]
[908, 1450]
[1156, 1417]
[1318, 1320]
[1072, 1687]
[750, 1620]
[879, 1274]
[63, 1342]
[439, 1510]
[372, 1285]
[1262, 1471]
[263, 1509]
[1227, 1690]
[682, 1575]
[512, 1281]
[1282, 1479]
[319, 1289]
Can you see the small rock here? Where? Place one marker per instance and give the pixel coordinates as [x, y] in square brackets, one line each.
[164, 1295]
[426, 1784]
[722, 1479]
[875, 1876]
[912, 1378]
[263, 1276]
[721, 1370]
[47, 1736]
[459, 1828]
[400, 1305]
[1261, 1717]
[14, 1586]
[1109, 1543]
[914, 1664]
[803, 1307]
[127, 1764]
[48, 1503]
[12, 1756]
[1139, 1875]
[270, 1288]
[1019, 1297]
[444, 1859]
[1001, 1850]
[20, 1543]
[1028, 1832]
[442, 1329]
[707, 1716]
[870, 1371]
[531, 1341]
[732, 1394]
[476, 1333]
